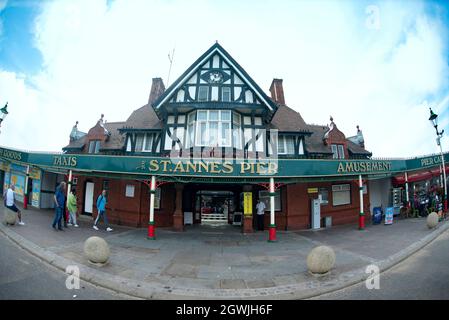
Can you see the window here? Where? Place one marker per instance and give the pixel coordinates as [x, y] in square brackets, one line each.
[213, 128]
[105, 185]
[324, 193]
[264, 196]
[334, 151]
[341, 152]
[148, 142]
[144, 142]
[139, 143]
[338, 151]
[129, 191]
[226, 94]
[341, 194]
[94, 146]
[286, 145]
[203, 93]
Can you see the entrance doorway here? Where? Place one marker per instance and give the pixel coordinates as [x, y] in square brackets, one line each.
[214, 207]
[89, 198]
[30, 191]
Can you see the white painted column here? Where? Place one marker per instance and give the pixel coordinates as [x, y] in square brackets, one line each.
[407, 198]
[441, 177]
[362, 214]
[361, 193]
[69, 184]
[152, 191]
[272, 202]
[151, 227]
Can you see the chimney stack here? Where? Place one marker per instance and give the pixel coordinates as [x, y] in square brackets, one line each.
[157, 89]
[277, 91]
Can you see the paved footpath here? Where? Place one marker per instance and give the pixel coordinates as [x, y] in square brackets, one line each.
[221, 263]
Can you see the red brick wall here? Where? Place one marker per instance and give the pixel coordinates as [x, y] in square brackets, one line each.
[299, 205]
[294, 214]
[122, 210]
[338, 137]
[163, 217]
[280, 217]
[95, 133]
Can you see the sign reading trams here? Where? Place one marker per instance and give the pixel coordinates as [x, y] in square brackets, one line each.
[217, 168]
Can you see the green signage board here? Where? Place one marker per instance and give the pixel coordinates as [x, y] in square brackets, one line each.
[218, 168]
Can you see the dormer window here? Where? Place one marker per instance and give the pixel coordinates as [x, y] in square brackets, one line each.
[338, 151]
[286, 145]
[94, 146]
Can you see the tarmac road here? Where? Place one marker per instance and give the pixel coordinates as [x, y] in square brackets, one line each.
[422, 276]
[23, 276]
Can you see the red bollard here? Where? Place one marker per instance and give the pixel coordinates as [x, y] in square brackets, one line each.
[361, 222]
[151, 231]
[25, 202]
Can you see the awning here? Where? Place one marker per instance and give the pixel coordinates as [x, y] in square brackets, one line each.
[418, 176]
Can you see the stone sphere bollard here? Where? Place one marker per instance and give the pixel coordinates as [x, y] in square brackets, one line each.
[432, 220]
[10, 216]
[96, 250]
[321, 260]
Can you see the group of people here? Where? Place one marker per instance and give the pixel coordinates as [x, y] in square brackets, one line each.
[427, 200]
[60, 205]
[70, 220]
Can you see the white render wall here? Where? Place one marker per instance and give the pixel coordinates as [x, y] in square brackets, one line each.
[379, 193]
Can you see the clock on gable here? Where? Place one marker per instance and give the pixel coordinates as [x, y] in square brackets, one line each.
[215, 76]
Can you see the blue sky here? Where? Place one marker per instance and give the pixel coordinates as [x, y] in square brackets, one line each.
[377, 64]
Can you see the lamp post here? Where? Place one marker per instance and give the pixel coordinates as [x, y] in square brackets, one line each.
[434, 120]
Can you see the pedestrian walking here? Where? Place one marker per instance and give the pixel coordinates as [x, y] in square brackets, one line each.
[59, 199]
[71, 207]
[260, 207]
[10, 200]
[101, 207]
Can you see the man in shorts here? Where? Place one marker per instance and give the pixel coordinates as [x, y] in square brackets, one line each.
[10, 203]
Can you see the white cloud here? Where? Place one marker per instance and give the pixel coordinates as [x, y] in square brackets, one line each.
[100, 59]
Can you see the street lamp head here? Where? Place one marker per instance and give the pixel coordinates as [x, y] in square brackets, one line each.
[433, 117]
[4, 112]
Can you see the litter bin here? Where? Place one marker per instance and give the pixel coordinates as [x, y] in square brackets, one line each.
[377, 215]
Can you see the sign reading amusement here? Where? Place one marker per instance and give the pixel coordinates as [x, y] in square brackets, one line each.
[213, 167]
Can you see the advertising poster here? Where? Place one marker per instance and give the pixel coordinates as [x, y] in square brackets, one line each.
[19, 182]
[248, 203]
[35, 198]
[389, 215]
